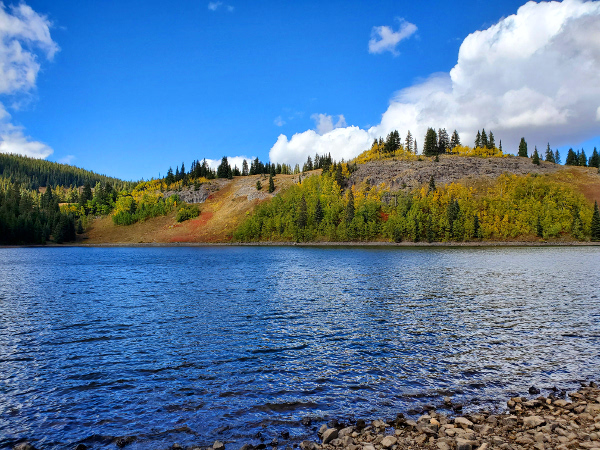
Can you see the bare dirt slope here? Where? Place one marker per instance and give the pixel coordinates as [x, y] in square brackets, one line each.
[223, 210]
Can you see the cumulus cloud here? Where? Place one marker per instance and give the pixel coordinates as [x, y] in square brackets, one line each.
[232, 160]
[24, 35]
[324, 123]
[533, 74]
[384, 39]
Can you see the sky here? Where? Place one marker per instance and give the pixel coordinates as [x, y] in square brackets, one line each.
[129, 89]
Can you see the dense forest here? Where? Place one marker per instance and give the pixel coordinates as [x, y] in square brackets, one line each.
[33, 173]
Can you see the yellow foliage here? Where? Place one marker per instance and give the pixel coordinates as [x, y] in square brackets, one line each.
[376, 153]
[464, 150]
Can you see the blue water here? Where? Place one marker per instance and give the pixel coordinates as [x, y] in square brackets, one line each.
[190, 345]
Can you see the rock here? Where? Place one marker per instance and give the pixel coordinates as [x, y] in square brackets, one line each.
[218, 445]
[447, 402]
[533, 421]
[285, 434]
[306, 421]
[274, 442]
[420, 439]
[347, 441]
[533, 390]
[593, 408]
[24, 446]
[176, 446]
[246, 447]
[509, 421]
[322, 430]
[483, 446]
[329, 434]
[81, 447]
[308, 445]
[463, 422]
[441, 445]
[360, 424]
[388, 441]
[524, 440]
[463, 444]
[368, 447]
[124, 441]
[345, 432]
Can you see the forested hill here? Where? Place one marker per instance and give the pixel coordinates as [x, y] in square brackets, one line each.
[33, 173]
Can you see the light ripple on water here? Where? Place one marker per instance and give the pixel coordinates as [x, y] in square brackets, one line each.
[189, 345]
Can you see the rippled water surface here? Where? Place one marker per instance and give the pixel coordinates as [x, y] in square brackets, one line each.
[189, 345]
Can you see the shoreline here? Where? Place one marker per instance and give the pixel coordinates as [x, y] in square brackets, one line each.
[474, 244]
[560, 421]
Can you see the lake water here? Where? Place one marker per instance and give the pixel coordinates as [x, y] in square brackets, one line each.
[190, 345]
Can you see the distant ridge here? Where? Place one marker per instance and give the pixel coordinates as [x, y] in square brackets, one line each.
[32, 173]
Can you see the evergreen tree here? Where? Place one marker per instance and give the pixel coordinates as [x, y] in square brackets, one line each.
[491, 141]
[484, 139]
[244, 168]
[476, 227]
[86, 194]
[454, 140]
[557, 157]
[443, 141]
[430, 146]
[271, 184]
[224, 168]
[258, 185]
[596, 223]
[582, 159]
[594, 159]
[170, 178]
[477, 142]
[302, 213]
[500, 146]
[416, 148]
[431, 184]
[408, 142]
[523, 148]
[549, 155]
[350, 206]
[319, 214]
[572, 159]
[536, 157]
[539, 230]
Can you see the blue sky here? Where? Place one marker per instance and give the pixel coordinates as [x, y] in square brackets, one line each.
[135, 87]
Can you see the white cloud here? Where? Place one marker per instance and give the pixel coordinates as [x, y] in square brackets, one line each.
[279, 121]
[384, 39]
[66, 159]
[533, 74]
[324, 123]
[22, 32]
[232, 160]
[213, 6]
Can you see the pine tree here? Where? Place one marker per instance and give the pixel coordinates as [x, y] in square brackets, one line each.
[431, 184]
[557, 157]
[572, 159]
[258, 185]
[408, 142]
[484, 139]
[350, 206]
[443, 141]
[416, 148]
[86, 194]
[318, 211]
[594, 159]
[596, 223]
[271, 184]
[491, 141]
[478, 139]
[223, 169]
[549, 155]
[244, 168]
[539, 230]
[476, 227]
[582, 159]
[430, 146]
[523, 148]
[455, 140]
[500, 146]
[302, 213]
[536, 157]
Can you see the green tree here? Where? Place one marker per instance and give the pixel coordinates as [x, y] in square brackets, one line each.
[582, 159]
[258, 185]
[408, 142]
[302, 213]
[484, 139]
[455, 140]
[430, 146]
[350, 206]
[596, 223]
[536, 157]
[557, 157]
[477, 142]
[431, 184]
[443, 141]
[271, 184]
[476, 227]
[244, 168]
[224, 168]
[319, 214]
[594, 159]
[572, 159]
[523, 148]
[549, 155]
[491, 141]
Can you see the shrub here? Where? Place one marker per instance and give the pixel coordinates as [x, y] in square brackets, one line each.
[187, 212]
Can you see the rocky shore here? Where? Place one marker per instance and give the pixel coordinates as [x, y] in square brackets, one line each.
[559, 421]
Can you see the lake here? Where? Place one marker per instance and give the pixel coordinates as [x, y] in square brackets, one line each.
[193, 344]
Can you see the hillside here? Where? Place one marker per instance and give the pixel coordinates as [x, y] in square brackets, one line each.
[32, 173]
[227, 204]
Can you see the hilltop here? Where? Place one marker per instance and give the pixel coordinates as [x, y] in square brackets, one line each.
[227, 204]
